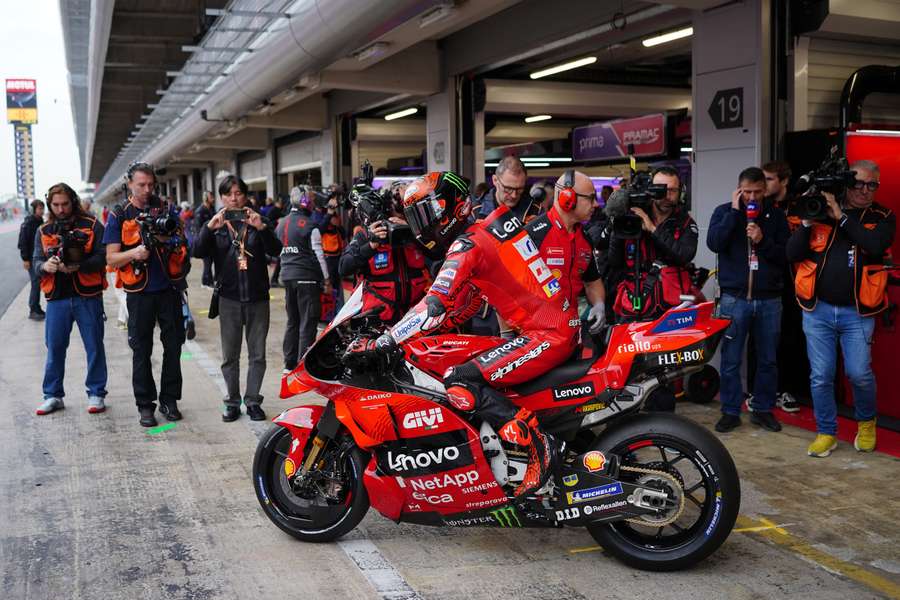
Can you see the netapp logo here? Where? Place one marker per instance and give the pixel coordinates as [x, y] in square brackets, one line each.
[633, 347]
[573, 391]
[680, 357]
[507, 369]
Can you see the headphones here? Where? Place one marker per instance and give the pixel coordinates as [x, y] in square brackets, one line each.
[139, 166]
[567, 196]
[72, 194]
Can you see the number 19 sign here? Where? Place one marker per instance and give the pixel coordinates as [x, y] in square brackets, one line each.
[727, 109]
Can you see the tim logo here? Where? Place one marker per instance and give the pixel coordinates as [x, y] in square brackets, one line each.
[423, 419]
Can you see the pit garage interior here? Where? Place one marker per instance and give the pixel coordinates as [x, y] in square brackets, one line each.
[284, 93]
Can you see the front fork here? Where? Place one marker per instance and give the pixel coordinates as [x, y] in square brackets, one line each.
[327, 429]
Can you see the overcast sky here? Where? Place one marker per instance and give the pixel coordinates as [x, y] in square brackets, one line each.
[31, 47]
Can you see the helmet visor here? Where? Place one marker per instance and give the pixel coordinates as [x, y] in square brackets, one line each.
[423, 215]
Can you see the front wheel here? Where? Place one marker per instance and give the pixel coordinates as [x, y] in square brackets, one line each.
[699, 475]
[330, 504]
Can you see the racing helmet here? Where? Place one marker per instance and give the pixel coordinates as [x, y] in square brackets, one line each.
[437, 208]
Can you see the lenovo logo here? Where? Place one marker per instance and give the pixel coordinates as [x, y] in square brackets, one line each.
[573, 391]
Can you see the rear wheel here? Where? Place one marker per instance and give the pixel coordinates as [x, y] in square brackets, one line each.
[695, 467]
[330, 502]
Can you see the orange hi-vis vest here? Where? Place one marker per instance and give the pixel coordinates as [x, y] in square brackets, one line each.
[85, 284]
[132, 279]
[869, 290]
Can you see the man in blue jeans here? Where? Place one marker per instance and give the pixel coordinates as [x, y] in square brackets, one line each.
[840, 285]
[749, 235]
[69, 255]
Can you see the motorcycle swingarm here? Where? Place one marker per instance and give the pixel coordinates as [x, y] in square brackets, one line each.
[586, 497]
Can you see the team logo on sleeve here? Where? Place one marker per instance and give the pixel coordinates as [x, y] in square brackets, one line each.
[551, 288]
[525, 247]
[541, 271]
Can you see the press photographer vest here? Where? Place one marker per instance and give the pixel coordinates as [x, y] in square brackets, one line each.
[84, 284]
[175, 261]
[396, 278]
[869, 289]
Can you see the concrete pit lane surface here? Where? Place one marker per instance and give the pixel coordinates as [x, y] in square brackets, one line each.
[94, 506]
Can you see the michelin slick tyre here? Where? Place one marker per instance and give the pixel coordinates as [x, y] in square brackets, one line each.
[312, 516]
[706, 476]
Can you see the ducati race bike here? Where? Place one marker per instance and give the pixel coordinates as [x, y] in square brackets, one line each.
[655, 490]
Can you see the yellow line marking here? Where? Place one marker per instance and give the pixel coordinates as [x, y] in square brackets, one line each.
[205, 311]
[829, 563]
[756, 529]
[587, 549]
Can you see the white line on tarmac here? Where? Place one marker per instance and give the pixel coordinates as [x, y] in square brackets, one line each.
[374, 566]
[388, 583]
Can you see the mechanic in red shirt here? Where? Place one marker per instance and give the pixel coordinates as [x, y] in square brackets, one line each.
[559, 236]
[495, 259]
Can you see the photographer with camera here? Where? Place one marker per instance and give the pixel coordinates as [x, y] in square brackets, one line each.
[840, 283]
[202, 215]
[304, 274]
[26, 251]
[147, 248]
[69, 256]
[384, 255]
[650, 240]
[748, 236]
[238, 239]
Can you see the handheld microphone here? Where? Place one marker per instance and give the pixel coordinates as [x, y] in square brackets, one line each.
[752, 211]
[617, 203]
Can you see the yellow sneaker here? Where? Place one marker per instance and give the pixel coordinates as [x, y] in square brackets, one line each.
[865, 436]
[822, 445]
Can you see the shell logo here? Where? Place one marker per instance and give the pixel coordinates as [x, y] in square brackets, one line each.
[557, 273]
[594, 461]
[289, 467]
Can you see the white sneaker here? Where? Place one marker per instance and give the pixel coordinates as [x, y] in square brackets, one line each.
[95, 404]
[748, 402]
[787, 402]
[50, 405]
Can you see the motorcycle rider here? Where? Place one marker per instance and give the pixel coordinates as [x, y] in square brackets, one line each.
[497, 259]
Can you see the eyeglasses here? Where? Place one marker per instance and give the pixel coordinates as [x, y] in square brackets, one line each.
[510, 190]
[871, 185]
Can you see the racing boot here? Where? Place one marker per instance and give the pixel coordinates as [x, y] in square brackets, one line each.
[523, 430]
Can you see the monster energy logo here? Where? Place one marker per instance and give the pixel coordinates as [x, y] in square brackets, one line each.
[456, 181]
[506, 517]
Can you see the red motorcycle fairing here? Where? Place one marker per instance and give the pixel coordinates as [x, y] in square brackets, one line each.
[426, 458]
[679, 337]
[434, 355]
[300, 421]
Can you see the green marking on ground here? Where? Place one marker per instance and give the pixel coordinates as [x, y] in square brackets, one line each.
[187, 355]
[161, 428]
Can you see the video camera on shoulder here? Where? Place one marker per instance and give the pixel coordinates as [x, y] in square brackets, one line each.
[640, 193]
[72, 242]
[833, 176]
[155, 219]
[374, 206]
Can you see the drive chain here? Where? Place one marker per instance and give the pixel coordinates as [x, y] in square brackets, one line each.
[676, 485]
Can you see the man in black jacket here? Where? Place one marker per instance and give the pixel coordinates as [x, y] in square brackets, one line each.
[26, 250]
[668, 237]
[204, 213]
[238, 240]
[303, 272]
[749, 235]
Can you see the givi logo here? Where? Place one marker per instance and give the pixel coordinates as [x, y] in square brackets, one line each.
[429, 419]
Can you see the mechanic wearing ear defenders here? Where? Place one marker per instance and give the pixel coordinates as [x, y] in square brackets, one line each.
[559, 236]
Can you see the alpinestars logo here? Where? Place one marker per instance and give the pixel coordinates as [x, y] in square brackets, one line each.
[507, 369]
[506, 517]
[429, 419]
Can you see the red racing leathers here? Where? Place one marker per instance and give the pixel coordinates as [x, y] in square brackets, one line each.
[568, 255]
[497, 260]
